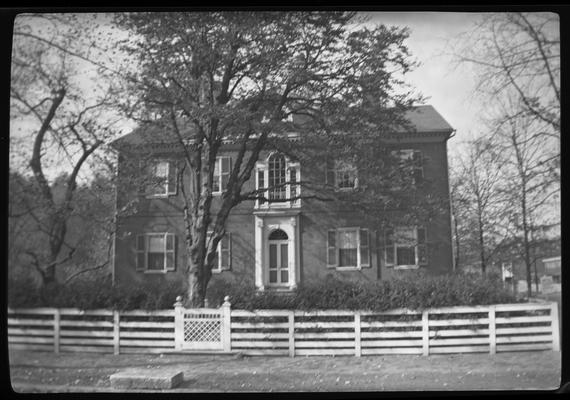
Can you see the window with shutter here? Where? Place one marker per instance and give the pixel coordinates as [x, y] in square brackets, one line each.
[222, 171]
[331, 249]
[364, 248]
[222, 259]
[348, 248]
[405, 247]
[156, 252]
[161, 178]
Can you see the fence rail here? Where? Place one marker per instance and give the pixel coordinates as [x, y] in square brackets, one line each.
[489, 329]
[103, 331]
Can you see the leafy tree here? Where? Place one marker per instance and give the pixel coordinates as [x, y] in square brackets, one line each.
[239, 77]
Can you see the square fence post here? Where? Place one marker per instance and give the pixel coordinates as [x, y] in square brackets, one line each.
[56, 330]
[492, 331]
[357, 343]
[425, 333]
[116, 332]
[226, 325]
[291, 320]
[555, 327]
[178, 323]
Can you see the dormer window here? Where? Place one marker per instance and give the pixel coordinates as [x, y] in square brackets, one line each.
[279, 176]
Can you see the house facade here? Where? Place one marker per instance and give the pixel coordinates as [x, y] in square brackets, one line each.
[291, 240]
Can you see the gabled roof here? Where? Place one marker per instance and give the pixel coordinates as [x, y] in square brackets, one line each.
[426, 119]
[423, 119]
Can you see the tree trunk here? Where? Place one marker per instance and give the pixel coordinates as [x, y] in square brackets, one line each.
[481, 243]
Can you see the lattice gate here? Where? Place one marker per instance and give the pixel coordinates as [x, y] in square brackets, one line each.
[202, 328]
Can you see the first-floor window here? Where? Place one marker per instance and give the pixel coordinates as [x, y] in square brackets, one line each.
[405, 247]
[348, 248]
[156, 252]
[222, 259]
[507, 271]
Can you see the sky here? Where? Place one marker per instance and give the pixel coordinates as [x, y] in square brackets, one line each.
[450, 89]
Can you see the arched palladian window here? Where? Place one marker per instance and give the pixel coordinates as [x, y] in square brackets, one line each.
[279, 175]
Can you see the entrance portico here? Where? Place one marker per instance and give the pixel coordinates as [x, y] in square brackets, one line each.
[277, 252]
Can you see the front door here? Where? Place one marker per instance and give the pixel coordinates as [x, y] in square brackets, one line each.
[278, 258]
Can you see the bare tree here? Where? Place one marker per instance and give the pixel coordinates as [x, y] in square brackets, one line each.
[518, 54]
[65, 115]
[529, 185]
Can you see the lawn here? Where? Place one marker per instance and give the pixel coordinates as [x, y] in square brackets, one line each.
[47, 372]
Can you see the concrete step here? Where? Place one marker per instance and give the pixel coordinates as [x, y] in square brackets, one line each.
[144, 378]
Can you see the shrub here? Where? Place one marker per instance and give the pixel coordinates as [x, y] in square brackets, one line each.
[413, 290]
[92, 295]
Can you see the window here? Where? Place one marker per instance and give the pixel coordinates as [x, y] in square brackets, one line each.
[341, 174]
[348, 248]
[277, 180]
[552, 265]
[507, 271]
[156, 252]
[412, 161]
[345, 175]
[162, 179]
[405, 247]
[277, 177]
[222, 259]
[222, 170]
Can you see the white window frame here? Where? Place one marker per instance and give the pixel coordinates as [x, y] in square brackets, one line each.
[341, 167]
[219, 176]
[218, 268]
[145, 251]
[359, 263]
[397, 245]
[155, 164]
[263, 168]
[504, 270]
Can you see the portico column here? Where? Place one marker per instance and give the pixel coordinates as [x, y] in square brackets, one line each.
[293, 253]
[259, 253]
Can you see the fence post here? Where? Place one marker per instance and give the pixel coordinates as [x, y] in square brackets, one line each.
[555, 327]
[492, 331]
[56, 327]
[425, 333]
[357, 343]
[291, 318]
[178, 323]
[116, 332]
[226, 325]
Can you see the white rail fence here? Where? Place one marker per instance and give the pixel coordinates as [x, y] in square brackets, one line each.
[489, 329]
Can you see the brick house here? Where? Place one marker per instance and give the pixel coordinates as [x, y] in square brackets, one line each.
[280, 245]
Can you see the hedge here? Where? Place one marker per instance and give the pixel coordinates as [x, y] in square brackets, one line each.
[414, 290]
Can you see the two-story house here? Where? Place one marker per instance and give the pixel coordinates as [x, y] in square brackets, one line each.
[279, 245]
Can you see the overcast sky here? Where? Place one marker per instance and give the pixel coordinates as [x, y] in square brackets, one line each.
[449, 89]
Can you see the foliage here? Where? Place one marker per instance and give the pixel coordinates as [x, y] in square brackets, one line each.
[408, 290]
[239, 76]
[93, 295]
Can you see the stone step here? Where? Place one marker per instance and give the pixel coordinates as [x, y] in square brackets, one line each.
[145, 378]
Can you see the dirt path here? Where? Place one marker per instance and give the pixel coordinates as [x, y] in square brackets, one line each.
[31, 371]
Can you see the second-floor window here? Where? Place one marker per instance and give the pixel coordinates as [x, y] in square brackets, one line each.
[412, 162]
[222, 170]
[405, 247]
[342, 174]
[161, 179]
[280, 177]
